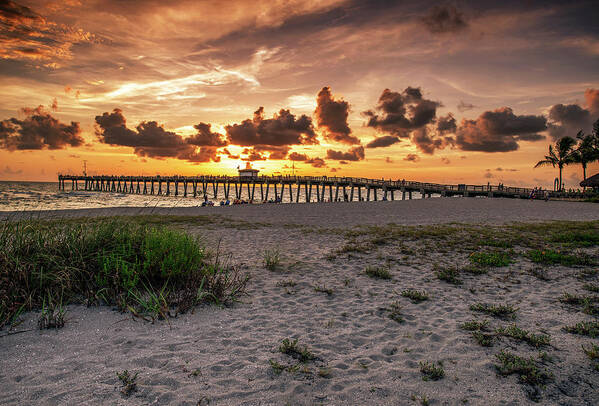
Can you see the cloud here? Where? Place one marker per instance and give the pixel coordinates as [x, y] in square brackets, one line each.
[499, 130]
[205, 137]
[149, 139]
[444, 19]
[428, 141]
[400, 113]
[462, 107]
[294, 156]
[446, 124]
[281, 130]
[384, 141]
[27, 36]
[591, 97]
[331, 115]
[412, 158]
[354, 154]
[38, 130]
[568, 119]
[317, 162]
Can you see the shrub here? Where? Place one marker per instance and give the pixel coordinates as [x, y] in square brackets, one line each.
[430, 371]
[414, 295]
[377, 272]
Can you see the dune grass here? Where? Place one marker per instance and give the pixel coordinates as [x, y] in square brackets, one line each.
[495, 310]
[148, 270]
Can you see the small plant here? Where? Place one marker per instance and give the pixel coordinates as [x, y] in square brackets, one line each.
[490, 259]
[377, 272]
[593, 352]
[449, 275]
[584, 328]
[323, 289]
[526, 368]
[414, 295]
[272, 258]
[494, 310]
[515, 332]
[475, 325]
[430, 371]
[276, 367]
[287, 284]
[52, 315]
[325, 373]
[395, 312]
[486, 340]
[128, 381]
[291, 347]
[423, 399]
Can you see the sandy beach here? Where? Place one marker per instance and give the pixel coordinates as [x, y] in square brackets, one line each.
[320, 295]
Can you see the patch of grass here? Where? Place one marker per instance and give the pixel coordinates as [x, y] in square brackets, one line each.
[323, 289]
[430, 371]
[577, 238]
[109, 262]
[525, 368]
[276, 366]
[378, 272]
[490, 259]
[414, 295]
[395, 312]
[422, 399]
[552, 257]
[494, 310]
[486, 340]
[291, 347]
[475, 325]
[585, 301]
[584, 328]
[592, 352]
[515, 332]
[272, 258]
[128, 381]
[52, 314]
[591, 287]
[449, 275]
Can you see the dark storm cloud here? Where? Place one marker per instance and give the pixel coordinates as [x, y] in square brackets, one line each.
[446, 124]
[444, 19]
[38, 130]
[282, 129]
[568, 119]
[384, 141]
[205, 137]
[294, 156]
[428, 141]
[331, 115]
[150, 139]
[317, 162]
[499, 131]
[412, 158]
[400, 113]
[354, 154]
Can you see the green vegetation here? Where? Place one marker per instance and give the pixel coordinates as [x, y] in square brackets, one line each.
[525, 368]
[490, 259]
[577, 238]
[430, 371]
[128, 381]
[585, 301]
[291, 347]
[395, 312]
[377, 272]
[584, 328]
[52, 314]
[552, 257]
[591, 287]
[515, 332]
[474, 325]
[272, 259]
[148, 270]
[323, 289]
[494, 310]
[486, 340]
[449, 275]
[414, 295]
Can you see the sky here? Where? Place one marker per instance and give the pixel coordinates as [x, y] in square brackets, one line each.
[450, 92]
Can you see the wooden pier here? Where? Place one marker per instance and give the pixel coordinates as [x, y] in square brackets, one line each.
[258, 188]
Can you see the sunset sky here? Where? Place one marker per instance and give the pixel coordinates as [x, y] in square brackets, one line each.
[453, 92]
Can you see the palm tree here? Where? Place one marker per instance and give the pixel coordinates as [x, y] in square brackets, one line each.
[562, 155]
[586, 152]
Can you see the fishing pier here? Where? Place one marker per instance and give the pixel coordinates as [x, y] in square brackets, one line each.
[257, 188]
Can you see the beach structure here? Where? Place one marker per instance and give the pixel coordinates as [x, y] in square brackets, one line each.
[248, 173]
[319, 188]
[592, 182]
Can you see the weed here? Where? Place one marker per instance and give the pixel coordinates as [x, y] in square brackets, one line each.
[430, 371]
[475, 325]
[423, 399]
[377, 272]
[593, 352]
[276, 367]
[128, 381]
[323, 289]
[486, 340]
[272, 258]
[494, 310]
[52, 314]
[414, 295]
[493, 259]
[584, 328]
[395, 312]
[291, 347]
[515, 332]
[449, 275]
[526, 368]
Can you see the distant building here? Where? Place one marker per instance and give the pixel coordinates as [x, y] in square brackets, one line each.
[248, 172]
[592, 182]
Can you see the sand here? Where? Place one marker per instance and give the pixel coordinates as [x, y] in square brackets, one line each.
[372, 360]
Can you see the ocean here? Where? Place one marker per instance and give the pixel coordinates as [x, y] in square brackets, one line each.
[21, 196]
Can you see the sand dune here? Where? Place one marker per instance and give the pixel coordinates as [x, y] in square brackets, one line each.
[221, 355]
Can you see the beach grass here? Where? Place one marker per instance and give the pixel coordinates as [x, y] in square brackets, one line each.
[496, 310]
[149, 270]
[431, 371]
[526, 369]
[414, 295]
